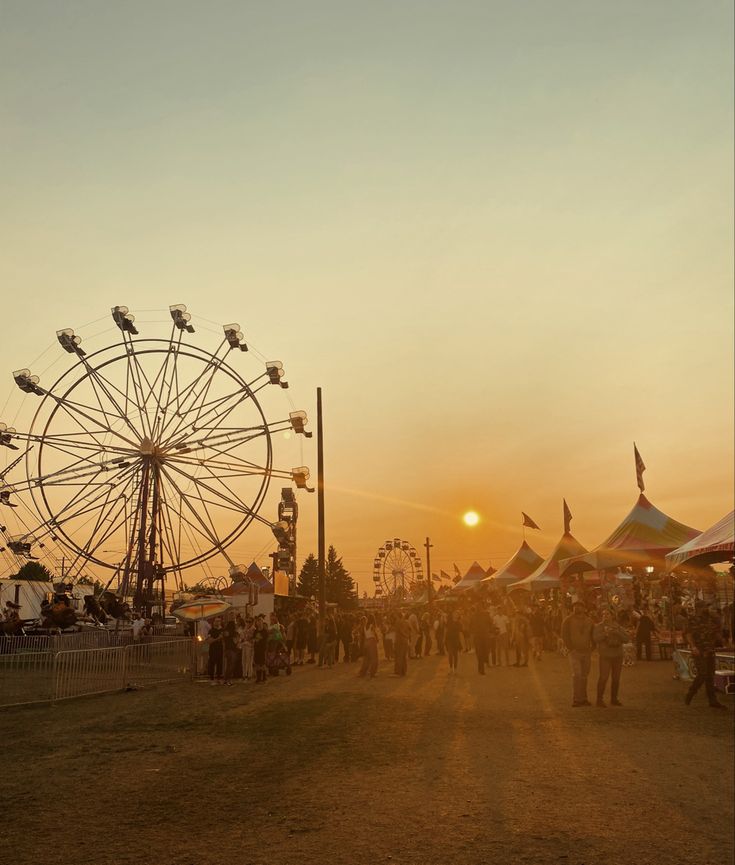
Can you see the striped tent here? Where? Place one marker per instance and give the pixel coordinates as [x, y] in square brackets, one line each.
[715, 544]
[474, 576]
[644, 538]
[523, 563]
[546, 575]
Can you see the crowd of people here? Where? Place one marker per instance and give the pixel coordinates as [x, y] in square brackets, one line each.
[499, 634]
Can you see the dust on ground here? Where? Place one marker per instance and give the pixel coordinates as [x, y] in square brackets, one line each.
[325, 767]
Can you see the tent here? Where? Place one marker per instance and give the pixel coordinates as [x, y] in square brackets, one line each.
[546, 575]
[716, 544]
[523, 563]
[644, 537]
[474, 576]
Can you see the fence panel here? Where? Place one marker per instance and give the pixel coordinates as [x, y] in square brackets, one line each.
[89, 671]
[26, 677]
[159, 661]
[12, 645]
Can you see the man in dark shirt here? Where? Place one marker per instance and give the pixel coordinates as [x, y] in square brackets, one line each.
[702, 637]
[646, 627]
[481, 626]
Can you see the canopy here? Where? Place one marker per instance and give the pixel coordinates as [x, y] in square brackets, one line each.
[201, 608]
[252, 575]
[715, 544]
[644, 537]
[523, 563]
[472, 578]
[546, 576]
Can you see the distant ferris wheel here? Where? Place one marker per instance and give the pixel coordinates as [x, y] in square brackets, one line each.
[397, 569]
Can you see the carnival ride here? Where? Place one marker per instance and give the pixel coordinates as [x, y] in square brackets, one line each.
[144, 458]
[397, 570]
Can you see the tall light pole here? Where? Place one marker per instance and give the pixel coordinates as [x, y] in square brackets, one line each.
[428, 546]
[320, 505]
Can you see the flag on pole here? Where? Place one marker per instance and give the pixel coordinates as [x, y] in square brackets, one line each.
[528, 522]
[445, 576]
[458, 576]
[436, 578]
[567, 517]
[640, 467]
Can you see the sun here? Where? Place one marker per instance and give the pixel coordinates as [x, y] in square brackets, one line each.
[471, 518]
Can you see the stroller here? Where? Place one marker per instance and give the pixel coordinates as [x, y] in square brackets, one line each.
[278, 658]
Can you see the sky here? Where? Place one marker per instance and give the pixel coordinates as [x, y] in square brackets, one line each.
[498, 235]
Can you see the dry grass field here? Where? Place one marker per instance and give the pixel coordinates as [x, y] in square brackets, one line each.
[324, 767]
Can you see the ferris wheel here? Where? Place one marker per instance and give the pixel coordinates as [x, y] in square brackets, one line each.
[146, 457]
[397, 569]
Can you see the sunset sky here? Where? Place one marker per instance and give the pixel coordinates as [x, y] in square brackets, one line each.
[497, 234]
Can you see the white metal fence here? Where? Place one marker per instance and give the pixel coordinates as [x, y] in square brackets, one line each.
[38, 677]
[93, 638]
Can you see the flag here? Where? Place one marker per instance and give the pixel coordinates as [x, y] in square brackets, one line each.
[445, 576]
[567, 517]
[528, 522]
[436, 578]
[640, 467]
[458, 576]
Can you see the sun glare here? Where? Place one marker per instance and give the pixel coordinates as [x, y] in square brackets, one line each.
[471, 518]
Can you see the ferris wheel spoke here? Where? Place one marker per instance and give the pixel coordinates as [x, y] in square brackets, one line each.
[236, 502]
[191, 396]
[114, 511]
[108, 388]
[134, 376]
[73, 410]
[85, 505]
[205, 530]
[70, 440]
[171, 361]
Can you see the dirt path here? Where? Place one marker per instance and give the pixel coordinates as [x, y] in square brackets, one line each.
[328, 768]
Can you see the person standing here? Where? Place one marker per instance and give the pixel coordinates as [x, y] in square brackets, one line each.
[246, 646]
[312, 640]
[537, 621]
[453, 640]
[414, 649]
[215, 641]
[502, 623]
[609, 636]
[370, 648]
[520, 629]
[329, 641]
[440, 625]
[645, 628]
[402, 636]
[231, 651]
[344, 630]
[260, 649]
[576, 631]
[702, 636]
[481, 626]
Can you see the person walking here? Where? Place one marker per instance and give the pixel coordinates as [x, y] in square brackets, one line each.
[702, 636]
[453, 640]
[401, 643]
[576, 631]
[414, 649]
[370, 648]
[344, 630]
[609, 637]
[537, 621]
[329, 641]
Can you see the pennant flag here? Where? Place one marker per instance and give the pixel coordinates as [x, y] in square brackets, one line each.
[528, 522]
[640, 467]
[567, 517]
[458, 576]
[436, 578]
[445, 576]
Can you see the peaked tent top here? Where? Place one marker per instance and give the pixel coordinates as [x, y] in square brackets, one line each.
[645, 535]
[546, 575]
[523, 563]
[472, 578]
[254, 575]
[715, 544]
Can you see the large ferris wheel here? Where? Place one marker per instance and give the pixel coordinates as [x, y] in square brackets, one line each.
[146, 457]
[397, 569]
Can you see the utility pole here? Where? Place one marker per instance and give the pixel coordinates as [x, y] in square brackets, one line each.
[320, 506]
[428, 546]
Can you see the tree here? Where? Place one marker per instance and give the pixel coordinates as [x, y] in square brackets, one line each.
[308, 582]
[35, 571]
[88, 581]
[340, 587]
